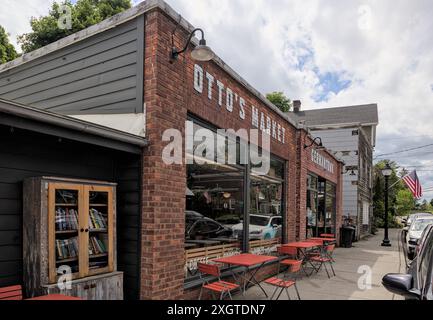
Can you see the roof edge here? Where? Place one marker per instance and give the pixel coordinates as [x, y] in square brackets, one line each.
[39, 115]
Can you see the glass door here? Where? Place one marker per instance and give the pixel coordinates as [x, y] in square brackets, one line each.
[99, 205]
[65, 209]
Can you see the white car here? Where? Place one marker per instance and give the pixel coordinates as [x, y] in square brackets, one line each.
[261, 227]
[414, 233]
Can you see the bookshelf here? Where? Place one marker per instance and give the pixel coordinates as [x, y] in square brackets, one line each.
[75, 232]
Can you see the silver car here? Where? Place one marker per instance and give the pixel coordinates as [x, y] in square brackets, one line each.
[415, 231]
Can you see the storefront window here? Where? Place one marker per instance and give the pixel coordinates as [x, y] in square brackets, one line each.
[321, 210]
[214, 211]
[312, 205]
[266, 206]
[214, 215]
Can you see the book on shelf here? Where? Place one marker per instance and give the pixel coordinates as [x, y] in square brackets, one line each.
[97, 220]
[66, 219]
[96, 246]
[67, 248]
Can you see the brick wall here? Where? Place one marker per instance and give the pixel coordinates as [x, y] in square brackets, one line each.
[169, 96]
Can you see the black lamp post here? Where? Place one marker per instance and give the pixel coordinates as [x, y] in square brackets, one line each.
[386, 172]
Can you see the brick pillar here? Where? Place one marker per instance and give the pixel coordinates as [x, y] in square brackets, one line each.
[292, 188]
[163, 217]
[301, 194]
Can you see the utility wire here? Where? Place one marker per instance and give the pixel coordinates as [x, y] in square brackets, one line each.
[405, 150]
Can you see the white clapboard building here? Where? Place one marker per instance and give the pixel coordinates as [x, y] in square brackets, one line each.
[350, 132]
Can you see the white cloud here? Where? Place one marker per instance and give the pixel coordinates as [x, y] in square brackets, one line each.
[384, 48]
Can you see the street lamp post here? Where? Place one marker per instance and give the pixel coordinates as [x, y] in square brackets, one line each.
[386, 172]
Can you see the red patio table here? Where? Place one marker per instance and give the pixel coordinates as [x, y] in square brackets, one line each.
[247, 260]
[302, 247]
[53, 297]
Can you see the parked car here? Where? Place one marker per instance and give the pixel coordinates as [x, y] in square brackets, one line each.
[261, 227]
[410, 218]
[417, 283]
[199, 227]
[414, 233]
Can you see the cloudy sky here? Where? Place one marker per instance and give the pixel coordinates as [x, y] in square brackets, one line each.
[324, 52]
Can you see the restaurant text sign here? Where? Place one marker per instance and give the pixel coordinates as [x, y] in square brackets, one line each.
[320, 160]
[234, 103]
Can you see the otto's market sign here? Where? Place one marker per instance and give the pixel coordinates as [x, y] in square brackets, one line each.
[321, 161]
[233, 103]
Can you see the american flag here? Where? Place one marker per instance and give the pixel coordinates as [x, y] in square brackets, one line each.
[413, 184]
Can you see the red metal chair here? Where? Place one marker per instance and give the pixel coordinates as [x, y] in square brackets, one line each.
[324, 258]
[292, 254]
[11, 293]
[223, 288]
[284, 284]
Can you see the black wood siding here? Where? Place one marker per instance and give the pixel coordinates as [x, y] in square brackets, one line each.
[101, 74]
[26, 154]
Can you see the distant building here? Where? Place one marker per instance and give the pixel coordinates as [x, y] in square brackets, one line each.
[350, 132]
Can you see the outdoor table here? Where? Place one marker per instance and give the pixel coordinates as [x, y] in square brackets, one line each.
[247, 260]
[302, 247]
[53, 297]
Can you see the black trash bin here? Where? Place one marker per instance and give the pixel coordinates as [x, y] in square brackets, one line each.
[346, 236]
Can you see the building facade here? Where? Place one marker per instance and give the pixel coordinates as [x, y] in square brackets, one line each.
[119, 74]
[350, 133]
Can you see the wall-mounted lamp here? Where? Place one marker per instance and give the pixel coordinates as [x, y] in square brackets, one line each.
[313, 142]
[200, 53]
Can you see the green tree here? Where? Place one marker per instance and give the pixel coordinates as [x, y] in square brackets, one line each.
[405, 202]
[280, 101]
[84, 13]
[7, 50]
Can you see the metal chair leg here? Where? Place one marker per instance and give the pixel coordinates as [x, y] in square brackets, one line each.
[230, 295]
[275, 291]
[201, 291]
[288, 295]
[332, 268]
[326, 270]
[297, 291]
[282, 289]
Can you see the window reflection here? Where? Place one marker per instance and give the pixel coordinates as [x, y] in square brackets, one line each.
[321, 206]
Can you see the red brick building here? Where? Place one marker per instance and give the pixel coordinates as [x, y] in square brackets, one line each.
[191, 212]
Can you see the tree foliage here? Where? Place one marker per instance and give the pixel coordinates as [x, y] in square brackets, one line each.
[280, 101]
[84, 13]
[7, 50]
[405, 202]
[400, 200]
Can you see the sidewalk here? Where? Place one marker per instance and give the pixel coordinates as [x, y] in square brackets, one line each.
[380, 260]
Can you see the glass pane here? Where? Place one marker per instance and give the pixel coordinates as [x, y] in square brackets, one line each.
[66, 230]
[266, 209]
[312, 202]
[330, 214]
[98, 230]
[214, 213]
